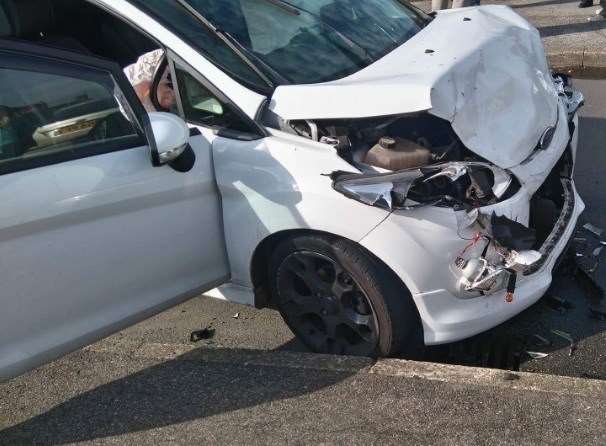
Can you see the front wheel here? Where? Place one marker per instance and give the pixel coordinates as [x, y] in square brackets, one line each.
[337, 298]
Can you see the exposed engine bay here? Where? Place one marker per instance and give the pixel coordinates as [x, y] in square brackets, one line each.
[431, 164]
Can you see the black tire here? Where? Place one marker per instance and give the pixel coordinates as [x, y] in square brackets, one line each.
[338, 298]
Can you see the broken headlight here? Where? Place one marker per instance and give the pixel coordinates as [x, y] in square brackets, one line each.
[468, 184]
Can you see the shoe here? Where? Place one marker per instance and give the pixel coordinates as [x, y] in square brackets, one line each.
[586, 4]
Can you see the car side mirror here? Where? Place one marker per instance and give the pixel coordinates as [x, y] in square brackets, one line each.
[171, 135]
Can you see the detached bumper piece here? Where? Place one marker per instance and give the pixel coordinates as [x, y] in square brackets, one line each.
[559, 229]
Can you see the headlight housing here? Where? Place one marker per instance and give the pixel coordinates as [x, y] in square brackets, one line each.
[463, 184]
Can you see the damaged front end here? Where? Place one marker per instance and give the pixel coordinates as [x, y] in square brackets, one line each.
[461, 185]
[435, 169]
[498, 249]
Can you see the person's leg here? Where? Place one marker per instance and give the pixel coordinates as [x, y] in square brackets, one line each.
[436, 5]
[464, 3]
[586, 3]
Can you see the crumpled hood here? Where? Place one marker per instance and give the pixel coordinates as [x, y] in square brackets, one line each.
[483, 69]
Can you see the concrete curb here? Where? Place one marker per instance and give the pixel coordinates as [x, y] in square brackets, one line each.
[451, 374]
[577, 60]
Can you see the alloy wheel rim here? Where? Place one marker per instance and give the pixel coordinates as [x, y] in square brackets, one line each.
[325, 305]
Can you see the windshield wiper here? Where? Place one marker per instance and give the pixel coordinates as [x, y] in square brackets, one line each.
[230, 41]
[285, 6]
[353, 45]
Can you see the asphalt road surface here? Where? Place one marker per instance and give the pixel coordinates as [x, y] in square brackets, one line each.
[504, 347]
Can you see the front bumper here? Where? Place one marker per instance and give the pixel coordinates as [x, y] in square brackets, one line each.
[427, 245]
[423, 262]
[448, 319]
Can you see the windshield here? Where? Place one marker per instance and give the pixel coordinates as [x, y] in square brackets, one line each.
[311, 41]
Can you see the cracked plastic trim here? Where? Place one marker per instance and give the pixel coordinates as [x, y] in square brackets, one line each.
[559, 228]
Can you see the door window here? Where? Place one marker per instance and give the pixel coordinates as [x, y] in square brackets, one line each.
[208, 43]
[201, 106]
[46, 111]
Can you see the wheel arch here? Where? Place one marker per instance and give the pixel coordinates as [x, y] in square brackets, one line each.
[260, 259]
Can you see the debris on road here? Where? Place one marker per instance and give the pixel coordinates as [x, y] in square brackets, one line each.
[542, 340]
[557, 303]
[588, 284]
[537, 355]
[597, 314]
[593, 229]
[564, 335]
[236, 316]
[199, 335]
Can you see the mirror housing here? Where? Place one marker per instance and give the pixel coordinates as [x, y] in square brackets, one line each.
[171, 134]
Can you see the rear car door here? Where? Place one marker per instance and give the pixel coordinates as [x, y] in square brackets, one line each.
[93, 237]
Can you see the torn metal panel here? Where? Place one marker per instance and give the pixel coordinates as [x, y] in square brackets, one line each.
[537, 355]
[574, 99]
[410, 188]
[566, 336]
[376, 190]
[593, 229]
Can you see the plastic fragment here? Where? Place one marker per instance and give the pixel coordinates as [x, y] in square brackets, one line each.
[596, 256]
[511, 287]
[597, 314]
[593, 229]
[199, 335]
[564, 335]
[544, 341]
[236, 316]
[590, 287]
[558, 303]
[537, 355]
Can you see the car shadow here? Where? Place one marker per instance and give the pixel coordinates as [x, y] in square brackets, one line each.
[183, 389]
[543, 3]
[572, 28]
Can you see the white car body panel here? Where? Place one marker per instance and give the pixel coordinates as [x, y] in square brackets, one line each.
[92, 245]
[276, 184]
[488, 76]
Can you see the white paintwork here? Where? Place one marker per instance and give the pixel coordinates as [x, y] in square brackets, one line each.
[233, 293]
[93, 245]
[170, 132]
[279, 183]
[488, 76]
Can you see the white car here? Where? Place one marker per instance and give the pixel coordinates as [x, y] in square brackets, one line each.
[380, 176]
